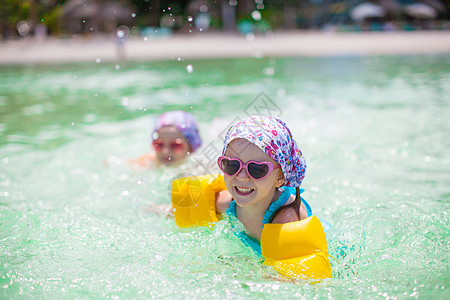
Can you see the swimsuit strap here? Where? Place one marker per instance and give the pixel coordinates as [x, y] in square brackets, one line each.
[278, 205]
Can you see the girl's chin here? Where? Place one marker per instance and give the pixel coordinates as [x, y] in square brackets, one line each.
[243, 200]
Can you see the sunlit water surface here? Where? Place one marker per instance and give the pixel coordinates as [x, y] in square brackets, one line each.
[375, 132]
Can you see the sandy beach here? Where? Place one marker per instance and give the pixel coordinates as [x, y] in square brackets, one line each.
[219, 45]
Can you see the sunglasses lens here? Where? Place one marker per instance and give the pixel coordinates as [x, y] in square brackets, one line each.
[157, 145]
[230, 166]
[177, 146]
[258, 171]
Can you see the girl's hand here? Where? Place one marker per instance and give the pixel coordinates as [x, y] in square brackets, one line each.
[223, 200]
[162, 209]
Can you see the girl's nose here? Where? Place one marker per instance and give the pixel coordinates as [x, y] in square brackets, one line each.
[166, 149]
[243, 175]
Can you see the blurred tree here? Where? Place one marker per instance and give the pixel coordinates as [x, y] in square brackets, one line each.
[32, 12]
[12, 11]
[149, 12]
[289, 14]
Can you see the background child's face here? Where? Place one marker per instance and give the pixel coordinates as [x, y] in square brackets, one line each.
[171, 146]
[244, 189]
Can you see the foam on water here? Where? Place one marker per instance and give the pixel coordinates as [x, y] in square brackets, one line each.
[374, 131]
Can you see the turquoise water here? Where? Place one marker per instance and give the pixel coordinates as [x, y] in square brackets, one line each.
[375, 132]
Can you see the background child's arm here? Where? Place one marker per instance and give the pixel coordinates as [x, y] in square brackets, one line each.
[143, 161]
[223, 200]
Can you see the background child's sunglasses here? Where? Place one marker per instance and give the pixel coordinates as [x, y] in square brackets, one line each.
[256, 170]
[176, 145]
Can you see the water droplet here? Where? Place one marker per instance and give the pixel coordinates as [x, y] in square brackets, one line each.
[98, 60]
[90, 118]
[269, 71]
[145, 39]
[189, 68]
[133, 15]
[73, 123]
[117, 67]
[125, 101]
[23, 28]
[256, 15]
[159, 257]
[190, 18]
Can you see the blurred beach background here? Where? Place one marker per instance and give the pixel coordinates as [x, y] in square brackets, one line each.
[50, 31]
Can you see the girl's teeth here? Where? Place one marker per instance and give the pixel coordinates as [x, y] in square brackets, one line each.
[244, 190]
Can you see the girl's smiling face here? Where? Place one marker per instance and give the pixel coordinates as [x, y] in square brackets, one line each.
[245, 190]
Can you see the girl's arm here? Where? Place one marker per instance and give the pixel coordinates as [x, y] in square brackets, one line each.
[223, 200]
[143, 161]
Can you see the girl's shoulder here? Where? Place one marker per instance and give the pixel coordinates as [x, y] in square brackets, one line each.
[289, 208]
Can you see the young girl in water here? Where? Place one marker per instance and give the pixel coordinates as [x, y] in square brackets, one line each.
[174, 138]
[263, 170]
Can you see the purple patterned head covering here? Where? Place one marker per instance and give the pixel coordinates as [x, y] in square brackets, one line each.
[184, 122]
[274, 138]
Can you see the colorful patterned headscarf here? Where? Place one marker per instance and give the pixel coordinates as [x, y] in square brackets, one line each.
[184, 122]
[272, 136]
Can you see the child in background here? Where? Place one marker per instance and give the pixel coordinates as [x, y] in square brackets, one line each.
[174, 138]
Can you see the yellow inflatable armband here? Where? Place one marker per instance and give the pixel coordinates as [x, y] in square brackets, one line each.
[297, 249]
[194, 199]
